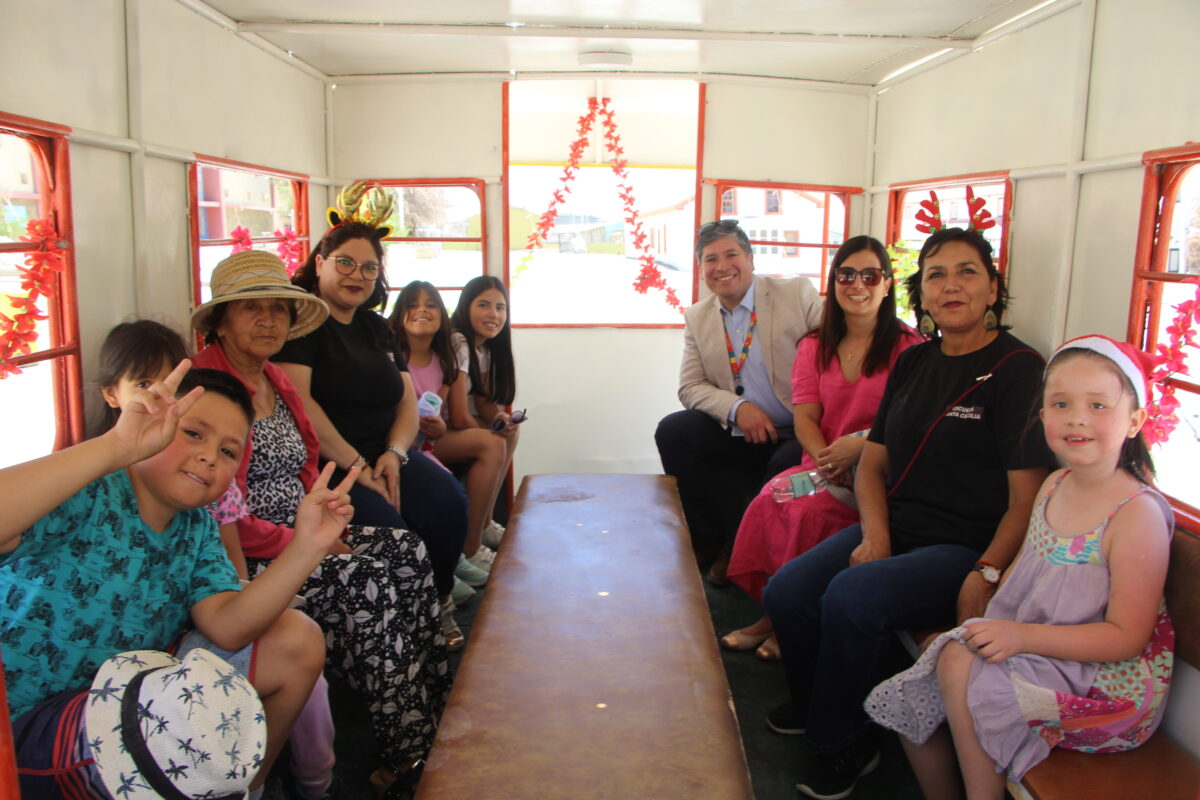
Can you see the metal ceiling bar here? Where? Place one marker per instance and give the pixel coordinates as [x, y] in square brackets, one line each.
[592, 32]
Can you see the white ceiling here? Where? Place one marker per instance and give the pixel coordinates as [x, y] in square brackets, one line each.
[858, 42]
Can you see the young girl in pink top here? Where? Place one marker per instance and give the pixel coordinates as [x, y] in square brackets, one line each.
[837, 382]
[423, 332]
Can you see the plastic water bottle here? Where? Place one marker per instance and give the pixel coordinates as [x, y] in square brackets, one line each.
[429, 405]
[798, 484]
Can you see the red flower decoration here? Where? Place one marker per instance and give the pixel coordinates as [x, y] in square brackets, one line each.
[1169, 359]
[649, 277]
[241, 239]
[290, 250]
[18, 333]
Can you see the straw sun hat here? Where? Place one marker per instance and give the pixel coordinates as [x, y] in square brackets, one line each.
[162, 727]
[255, 273]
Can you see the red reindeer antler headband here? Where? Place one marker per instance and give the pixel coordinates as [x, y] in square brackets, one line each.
[930, 214]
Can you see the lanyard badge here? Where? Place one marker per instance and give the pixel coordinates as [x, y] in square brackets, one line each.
[737, 362]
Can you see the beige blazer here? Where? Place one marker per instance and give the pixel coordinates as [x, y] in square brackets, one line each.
[788, 308]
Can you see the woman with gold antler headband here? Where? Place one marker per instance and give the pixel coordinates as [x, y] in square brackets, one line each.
[359, 394]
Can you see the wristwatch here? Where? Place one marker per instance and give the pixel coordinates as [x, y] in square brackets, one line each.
[401, 452]
[990, 573]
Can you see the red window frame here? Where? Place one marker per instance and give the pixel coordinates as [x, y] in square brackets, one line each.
[299, 190]
[897, 191]
[1165, 170]
[476, 185]
[827, 248]
[51, 155]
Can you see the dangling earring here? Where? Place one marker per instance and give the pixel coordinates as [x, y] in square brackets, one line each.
[990, 323]
[927, 326]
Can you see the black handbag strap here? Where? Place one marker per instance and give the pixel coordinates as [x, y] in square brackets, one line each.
[978, 382]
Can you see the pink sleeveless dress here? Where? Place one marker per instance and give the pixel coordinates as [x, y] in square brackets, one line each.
[772, 534]
[1028, 703]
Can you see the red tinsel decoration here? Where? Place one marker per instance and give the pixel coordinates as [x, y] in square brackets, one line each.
[650, 277]
[241, 239]
[19, 332]
[1170, 358]
[290, 250]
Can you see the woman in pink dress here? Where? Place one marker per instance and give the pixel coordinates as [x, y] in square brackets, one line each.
[837, 382]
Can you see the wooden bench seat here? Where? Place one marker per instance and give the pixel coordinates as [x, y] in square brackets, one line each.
[592, 670]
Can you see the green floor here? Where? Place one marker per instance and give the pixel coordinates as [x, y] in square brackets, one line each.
[775, 761]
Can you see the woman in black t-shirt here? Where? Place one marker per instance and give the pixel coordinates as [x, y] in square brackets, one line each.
[945, 487]
[357, 392]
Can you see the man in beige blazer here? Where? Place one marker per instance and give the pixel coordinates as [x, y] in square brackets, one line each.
[735, 384]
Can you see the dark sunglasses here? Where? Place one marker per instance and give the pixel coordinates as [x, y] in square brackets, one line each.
[871, 276]
[721, 224]
[516, 418]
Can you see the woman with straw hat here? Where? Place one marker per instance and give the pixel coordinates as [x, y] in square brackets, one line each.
[373, 595]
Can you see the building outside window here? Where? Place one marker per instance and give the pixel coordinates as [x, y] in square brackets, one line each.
[43, 403]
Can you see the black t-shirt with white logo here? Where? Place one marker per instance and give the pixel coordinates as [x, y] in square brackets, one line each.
[957, 488]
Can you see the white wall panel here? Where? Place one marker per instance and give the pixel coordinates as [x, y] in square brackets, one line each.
[101, 209]
[1035, 258]
[417, 130]
[167, 285]
[1105, 239]
[767, 133]
[208, 91]
[594, 396]
[655, 119]
[1008, 105]
[1144, 92]
[65, 62]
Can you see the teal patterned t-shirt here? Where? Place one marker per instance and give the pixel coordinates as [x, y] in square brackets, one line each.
[91, 579]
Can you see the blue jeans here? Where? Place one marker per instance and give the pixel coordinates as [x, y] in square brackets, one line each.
[836, 623]
[433, 505]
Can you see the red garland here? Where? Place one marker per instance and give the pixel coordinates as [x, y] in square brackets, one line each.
[649, 277]
[290, 250]
[241, 239]
[1170, 358]
[19, 332]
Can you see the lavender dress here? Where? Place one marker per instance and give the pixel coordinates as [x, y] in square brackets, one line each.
[1028, 703]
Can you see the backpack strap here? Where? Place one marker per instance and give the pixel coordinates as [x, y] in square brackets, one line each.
[924, 439]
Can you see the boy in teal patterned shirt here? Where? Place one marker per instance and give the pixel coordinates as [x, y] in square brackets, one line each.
[106, 547]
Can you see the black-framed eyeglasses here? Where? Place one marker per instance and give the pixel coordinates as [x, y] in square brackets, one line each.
[345, 265]
[720, 224]
[871, 276]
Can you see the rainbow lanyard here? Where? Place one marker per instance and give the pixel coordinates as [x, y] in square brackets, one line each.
[736, 362]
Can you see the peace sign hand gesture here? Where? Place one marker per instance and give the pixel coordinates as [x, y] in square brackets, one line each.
[149, 419]
[324, 513]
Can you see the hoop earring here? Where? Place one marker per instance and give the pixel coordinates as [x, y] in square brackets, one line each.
[927, 326]
[990, 322]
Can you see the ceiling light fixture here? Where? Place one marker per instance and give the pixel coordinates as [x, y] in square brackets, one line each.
[606, 58]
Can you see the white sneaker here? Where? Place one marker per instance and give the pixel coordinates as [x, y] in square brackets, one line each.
[493, 532]
[483, 559]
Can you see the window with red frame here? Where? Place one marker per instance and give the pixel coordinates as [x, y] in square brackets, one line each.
[729, 203]
[1168, 255]
[794, 229]
[267, 204]
[43, 402]
[439, 235]
[904, 201]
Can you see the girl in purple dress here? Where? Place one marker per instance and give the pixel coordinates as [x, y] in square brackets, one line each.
[1076, 647]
